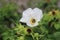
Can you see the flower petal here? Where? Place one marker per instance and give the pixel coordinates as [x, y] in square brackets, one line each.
[27, 12]
[37, 14]
[22, 20]
[26, 15]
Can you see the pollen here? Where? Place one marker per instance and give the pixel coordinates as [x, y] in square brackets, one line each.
[32, 21]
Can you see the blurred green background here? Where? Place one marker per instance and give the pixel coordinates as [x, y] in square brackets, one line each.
[12, 29]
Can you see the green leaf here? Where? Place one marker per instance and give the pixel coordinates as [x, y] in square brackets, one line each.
[28, 37]
[57, 26]
[57, 35]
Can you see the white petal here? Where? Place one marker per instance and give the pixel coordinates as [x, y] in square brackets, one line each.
[22, 20]
[30, 25]
[37, 14]
[26, 15]
[27, 12]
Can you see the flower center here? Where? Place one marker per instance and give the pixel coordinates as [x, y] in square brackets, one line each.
[32, 21]
[29, 30]
[53, 12]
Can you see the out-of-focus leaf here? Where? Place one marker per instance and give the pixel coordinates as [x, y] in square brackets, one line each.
[57, 26]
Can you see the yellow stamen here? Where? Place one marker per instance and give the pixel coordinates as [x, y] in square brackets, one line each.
[32, 21]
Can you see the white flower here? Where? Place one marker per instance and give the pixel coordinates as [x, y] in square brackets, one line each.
[32, 16]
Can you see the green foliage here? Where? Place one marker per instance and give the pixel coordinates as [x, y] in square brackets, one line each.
[48, 28]
[9, 14]
[57, 35]
[47, 5]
